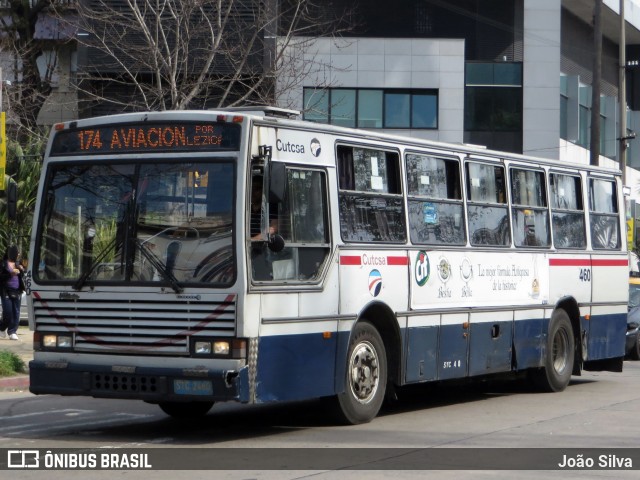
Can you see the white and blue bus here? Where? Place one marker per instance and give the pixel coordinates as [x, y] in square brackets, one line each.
[186, 258]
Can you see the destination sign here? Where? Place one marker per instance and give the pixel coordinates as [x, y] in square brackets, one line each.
[147, 137]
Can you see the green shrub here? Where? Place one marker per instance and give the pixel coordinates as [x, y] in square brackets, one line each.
[10, 364]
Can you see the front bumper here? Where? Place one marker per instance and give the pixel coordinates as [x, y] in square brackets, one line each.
[150, 384]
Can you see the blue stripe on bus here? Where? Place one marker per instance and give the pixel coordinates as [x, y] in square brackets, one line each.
[602, 329]
[422, 354]
[490, 347]
[529, 338]
[296, 367]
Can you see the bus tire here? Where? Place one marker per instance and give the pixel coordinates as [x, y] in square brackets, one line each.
[186, 409]
[366, 376]
[559, 355]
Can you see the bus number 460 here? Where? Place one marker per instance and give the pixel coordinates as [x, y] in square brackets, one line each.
[585, 274]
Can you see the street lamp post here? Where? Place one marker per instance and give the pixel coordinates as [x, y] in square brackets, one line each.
[622, 96]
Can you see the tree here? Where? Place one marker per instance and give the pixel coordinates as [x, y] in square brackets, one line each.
[179, 54]
[24, 164]
[23, 50]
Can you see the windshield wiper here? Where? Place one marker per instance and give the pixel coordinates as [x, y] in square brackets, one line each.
[159, 266]
[97, 261]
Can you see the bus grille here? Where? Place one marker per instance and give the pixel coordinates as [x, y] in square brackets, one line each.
[154, 325]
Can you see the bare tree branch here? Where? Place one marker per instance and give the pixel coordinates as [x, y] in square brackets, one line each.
[178, 54]
[31, 85]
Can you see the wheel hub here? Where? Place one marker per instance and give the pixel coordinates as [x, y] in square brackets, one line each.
[560, 351]
[364, 372]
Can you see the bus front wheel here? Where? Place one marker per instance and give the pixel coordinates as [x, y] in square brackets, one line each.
[185, 409]
[366, 376]
[559, 356]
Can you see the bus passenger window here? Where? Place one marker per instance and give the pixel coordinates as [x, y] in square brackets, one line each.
[487, 211]
[603, 207]
[371, 205]
[530, 215]
[436, 214]
[567, 211]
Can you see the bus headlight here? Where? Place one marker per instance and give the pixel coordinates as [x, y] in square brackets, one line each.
[202, 348]
[65, 341]
[54, 340]
[218, 347]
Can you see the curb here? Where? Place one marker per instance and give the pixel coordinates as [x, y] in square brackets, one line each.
[13, 384]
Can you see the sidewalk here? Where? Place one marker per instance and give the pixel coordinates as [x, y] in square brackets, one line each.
[24, 349]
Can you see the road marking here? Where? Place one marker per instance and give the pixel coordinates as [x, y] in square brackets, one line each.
[87, 419]
[68, 411]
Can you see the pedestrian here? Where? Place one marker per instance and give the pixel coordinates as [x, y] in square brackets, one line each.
[11, 289]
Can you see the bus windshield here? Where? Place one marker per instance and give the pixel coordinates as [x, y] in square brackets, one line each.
[148, 223]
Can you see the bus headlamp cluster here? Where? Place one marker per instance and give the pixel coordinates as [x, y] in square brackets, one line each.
[217, 347]
[57, 340]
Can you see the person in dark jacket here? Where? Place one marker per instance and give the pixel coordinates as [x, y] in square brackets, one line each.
[11, 289]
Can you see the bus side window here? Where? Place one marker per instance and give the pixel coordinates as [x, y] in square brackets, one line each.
[436, 214]
[302, 220]
[487, 211]
[530, 215]
[567, 211]
[603, 207]
[370, 195]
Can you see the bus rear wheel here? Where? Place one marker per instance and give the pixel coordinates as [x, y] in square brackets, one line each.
[186, 409]
[559, 356]
[366, 376]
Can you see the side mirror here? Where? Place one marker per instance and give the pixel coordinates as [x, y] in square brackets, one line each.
[276, 243]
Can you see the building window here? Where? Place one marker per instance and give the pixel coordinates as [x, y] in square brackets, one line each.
[397, 110]
[564, 107]
[316, 105]
[584, 115]
[372, 108]
[343, 108]
[493, 105]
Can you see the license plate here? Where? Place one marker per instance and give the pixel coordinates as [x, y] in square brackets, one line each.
[192, 387]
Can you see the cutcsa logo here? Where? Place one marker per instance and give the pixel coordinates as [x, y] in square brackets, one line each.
[375, 283]
[315, 147]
